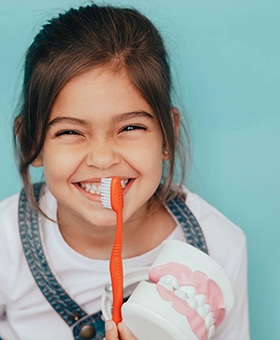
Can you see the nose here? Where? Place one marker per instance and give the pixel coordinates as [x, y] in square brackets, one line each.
[102, 155]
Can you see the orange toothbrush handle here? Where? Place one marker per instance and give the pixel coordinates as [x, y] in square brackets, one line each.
[116, 267]
[116, 271]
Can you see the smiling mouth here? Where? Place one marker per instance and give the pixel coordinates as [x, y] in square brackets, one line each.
[95, 187]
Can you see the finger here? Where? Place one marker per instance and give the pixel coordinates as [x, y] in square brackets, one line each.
[124, 332]
[111, 330]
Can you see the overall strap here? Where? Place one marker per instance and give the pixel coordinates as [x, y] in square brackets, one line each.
[191, 227]
[84, 326]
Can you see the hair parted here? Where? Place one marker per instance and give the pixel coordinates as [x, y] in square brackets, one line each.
[77, 41]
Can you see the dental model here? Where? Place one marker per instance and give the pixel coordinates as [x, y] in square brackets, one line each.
[187, 297]
[112, 198]
[193, 295]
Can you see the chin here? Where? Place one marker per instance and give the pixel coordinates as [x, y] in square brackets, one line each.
[105, 219]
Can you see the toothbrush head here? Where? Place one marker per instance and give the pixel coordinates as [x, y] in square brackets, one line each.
[112, 193]
[106, 192]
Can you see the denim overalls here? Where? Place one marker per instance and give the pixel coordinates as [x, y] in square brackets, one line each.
[83, 326]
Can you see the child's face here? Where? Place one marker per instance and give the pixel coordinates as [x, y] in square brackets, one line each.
[100, 126]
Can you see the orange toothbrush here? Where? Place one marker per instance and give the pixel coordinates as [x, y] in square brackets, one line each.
[112, 198]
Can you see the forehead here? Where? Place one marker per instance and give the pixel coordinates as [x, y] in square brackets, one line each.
[101, 90]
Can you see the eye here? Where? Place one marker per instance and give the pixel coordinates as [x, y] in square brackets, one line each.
[133, 128]
[67, 133]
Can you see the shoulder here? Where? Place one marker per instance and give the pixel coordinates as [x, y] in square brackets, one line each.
[210, 218]
[11, 252]
[8, 214]
[8, 218]
[226, 242]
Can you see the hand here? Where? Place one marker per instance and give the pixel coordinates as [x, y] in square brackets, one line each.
[120, 332]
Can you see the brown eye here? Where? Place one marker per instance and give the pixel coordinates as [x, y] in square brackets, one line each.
[66, 132]
[133, 127]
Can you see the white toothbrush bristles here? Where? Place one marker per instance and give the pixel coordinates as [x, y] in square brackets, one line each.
[106, 192]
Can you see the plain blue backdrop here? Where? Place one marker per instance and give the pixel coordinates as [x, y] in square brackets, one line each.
[226, 57]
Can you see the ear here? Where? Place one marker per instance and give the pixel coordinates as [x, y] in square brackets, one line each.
[176, 121]
[38, 161]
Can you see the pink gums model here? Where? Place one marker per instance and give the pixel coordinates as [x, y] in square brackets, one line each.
[203, 308]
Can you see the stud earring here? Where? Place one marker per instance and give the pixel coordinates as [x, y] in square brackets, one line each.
[165, 152]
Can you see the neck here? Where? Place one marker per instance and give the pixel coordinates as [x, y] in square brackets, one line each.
[141, 233]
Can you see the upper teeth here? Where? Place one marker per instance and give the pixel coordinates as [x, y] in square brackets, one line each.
[95, 188]
[194, 300]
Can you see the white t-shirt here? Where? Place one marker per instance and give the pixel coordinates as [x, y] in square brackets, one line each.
[25, 314]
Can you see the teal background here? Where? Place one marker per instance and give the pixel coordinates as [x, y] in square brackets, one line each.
[227, 70]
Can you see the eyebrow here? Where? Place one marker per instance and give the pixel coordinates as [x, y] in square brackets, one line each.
[116, 119]
[134, 114]
[71, 120]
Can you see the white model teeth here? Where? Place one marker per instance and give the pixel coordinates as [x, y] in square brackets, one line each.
[181, 294]
[192, 303]
[194, 300]
[200, 298]
[202, 312]
[169, 280]
[190, 291]
[209, 321]
[211, 332]
[95, 188]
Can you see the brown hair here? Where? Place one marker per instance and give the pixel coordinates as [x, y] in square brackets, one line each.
[77, 41]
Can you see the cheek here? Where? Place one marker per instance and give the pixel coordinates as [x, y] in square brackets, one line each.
[59, 163]
[146, 157]
[146, 150]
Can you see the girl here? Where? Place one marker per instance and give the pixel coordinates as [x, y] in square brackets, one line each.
[96, 102]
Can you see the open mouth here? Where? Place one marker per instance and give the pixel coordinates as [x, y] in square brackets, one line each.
[95, 187]
[192, 294]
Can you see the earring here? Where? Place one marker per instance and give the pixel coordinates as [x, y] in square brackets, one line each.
[165, 152]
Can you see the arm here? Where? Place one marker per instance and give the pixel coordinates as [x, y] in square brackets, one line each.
[227, 245]
[5, 270]
[3, 284]
[236, 324]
